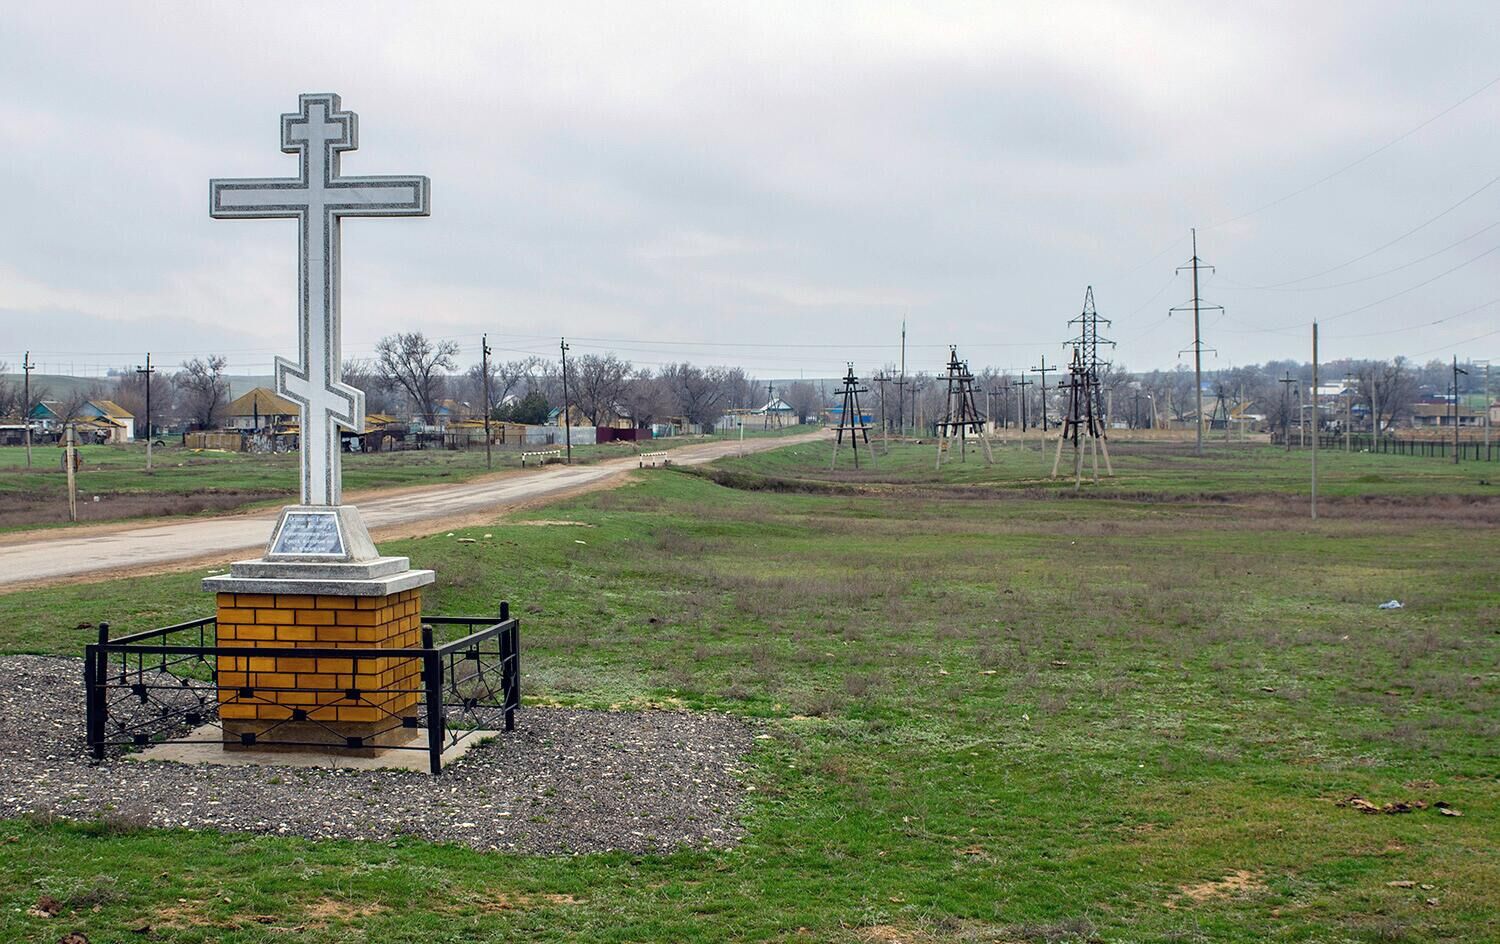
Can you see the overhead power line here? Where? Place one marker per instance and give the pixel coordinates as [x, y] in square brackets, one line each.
[1384, 246]
[1360, 160]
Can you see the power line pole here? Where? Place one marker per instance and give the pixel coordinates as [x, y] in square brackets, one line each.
[1043, 389]
[567, 425]
[484, 367]
[1197, 307]
[901, 384]
[1486, 409]
[885, 427]
[1023, 383]
[146, 372]
[26, 368]
[1456, 371]
[1315, 422]
[1349, 414]
[70, 456]
[1286, 409]
[770, 396]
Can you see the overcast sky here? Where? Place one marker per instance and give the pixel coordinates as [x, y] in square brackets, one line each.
[770, 185]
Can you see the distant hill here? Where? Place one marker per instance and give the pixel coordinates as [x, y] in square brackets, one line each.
[61, 386]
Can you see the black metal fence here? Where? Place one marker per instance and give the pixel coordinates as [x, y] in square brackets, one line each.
[1476, 451]
[168, 683]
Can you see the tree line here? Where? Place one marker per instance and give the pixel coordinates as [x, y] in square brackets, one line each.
[412, 375]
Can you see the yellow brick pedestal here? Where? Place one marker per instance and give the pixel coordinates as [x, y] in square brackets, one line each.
[284, 702]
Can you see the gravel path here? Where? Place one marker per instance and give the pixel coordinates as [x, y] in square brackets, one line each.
[564, 781]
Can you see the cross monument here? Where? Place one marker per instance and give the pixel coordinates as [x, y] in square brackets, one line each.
[318, 199]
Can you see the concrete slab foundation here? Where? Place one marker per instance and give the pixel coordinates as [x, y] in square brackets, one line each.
[203, 747]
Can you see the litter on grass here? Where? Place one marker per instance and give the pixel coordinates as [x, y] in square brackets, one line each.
[1391, 605]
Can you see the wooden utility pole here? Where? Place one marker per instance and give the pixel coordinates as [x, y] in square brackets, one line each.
[146, 372]
[770, 396]
[885, 427]
[567, 425]
[484, 368]
[26, 368]
[901, 384]
[1315, 422]
[851, 418]
[1042, 370]
[1487, 410]
[960, 414]
[1301, 419]
[1197, 307]
[1348, 416]
[1023, 383]
[70, 456]
[1456, 371]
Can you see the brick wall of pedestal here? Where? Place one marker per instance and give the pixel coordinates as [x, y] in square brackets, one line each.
[316, 689]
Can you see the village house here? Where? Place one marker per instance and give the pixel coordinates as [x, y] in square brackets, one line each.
[261, 409]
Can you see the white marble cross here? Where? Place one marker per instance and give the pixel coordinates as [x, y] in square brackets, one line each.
[318, 199]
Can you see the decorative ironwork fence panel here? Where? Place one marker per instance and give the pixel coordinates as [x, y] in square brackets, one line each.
[179, 682]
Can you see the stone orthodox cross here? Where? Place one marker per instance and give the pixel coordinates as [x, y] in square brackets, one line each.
[318, 198]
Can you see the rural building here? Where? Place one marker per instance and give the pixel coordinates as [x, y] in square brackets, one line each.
[261, 409]
[452, 411]
[1439, 414]
[779, 412]
[106, 421]
[46, 416]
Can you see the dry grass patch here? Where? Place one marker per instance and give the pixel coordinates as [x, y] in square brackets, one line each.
[1237, 884]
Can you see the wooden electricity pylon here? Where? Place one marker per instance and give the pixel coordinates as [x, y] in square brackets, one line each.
[851, 419]
[960, 415]
[1286, 410]
[1220, 411]
[1080, 421]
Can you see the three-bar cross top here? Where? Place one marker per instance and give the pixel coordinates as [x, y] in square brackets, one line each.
[318, 198]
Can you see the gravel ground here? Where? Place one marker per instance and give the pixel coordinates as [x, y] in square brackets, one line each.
[564, 781]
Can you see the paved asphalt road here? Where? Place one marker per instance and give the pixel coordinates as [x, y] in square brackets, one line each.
[48, 556]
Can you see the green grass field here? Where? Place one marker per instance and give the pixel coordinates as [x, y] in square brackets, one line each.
[989, 719]
[188, 481]
[1144, 470]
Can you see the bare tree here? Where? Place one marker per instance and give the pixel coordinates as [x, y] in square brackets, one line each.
[507, 379]
[362, 375]
[598, 384]
[410, 362]
[11, 393]
[646, 398]
[203, 389]
[741, 390]
[698, 393]
[130, 393]
[804, 400]
[1388, 388]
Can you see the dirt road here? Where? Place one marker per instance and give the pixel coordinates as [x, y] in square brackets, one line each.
[61, 556]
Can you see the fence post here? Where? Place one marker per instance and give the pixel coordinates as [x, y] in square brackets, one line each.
[510, 667]
[94, 703]
[432, 678]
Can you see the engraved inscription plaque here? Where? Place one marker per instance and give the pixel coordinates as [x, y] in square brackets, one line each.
[310, 533]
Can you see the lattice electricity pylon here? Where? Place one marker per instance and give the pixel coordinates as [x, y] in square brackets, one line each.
[960, 415]
[1080, 421]
[1087, 344]
[851, 418]
[1088, 341]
